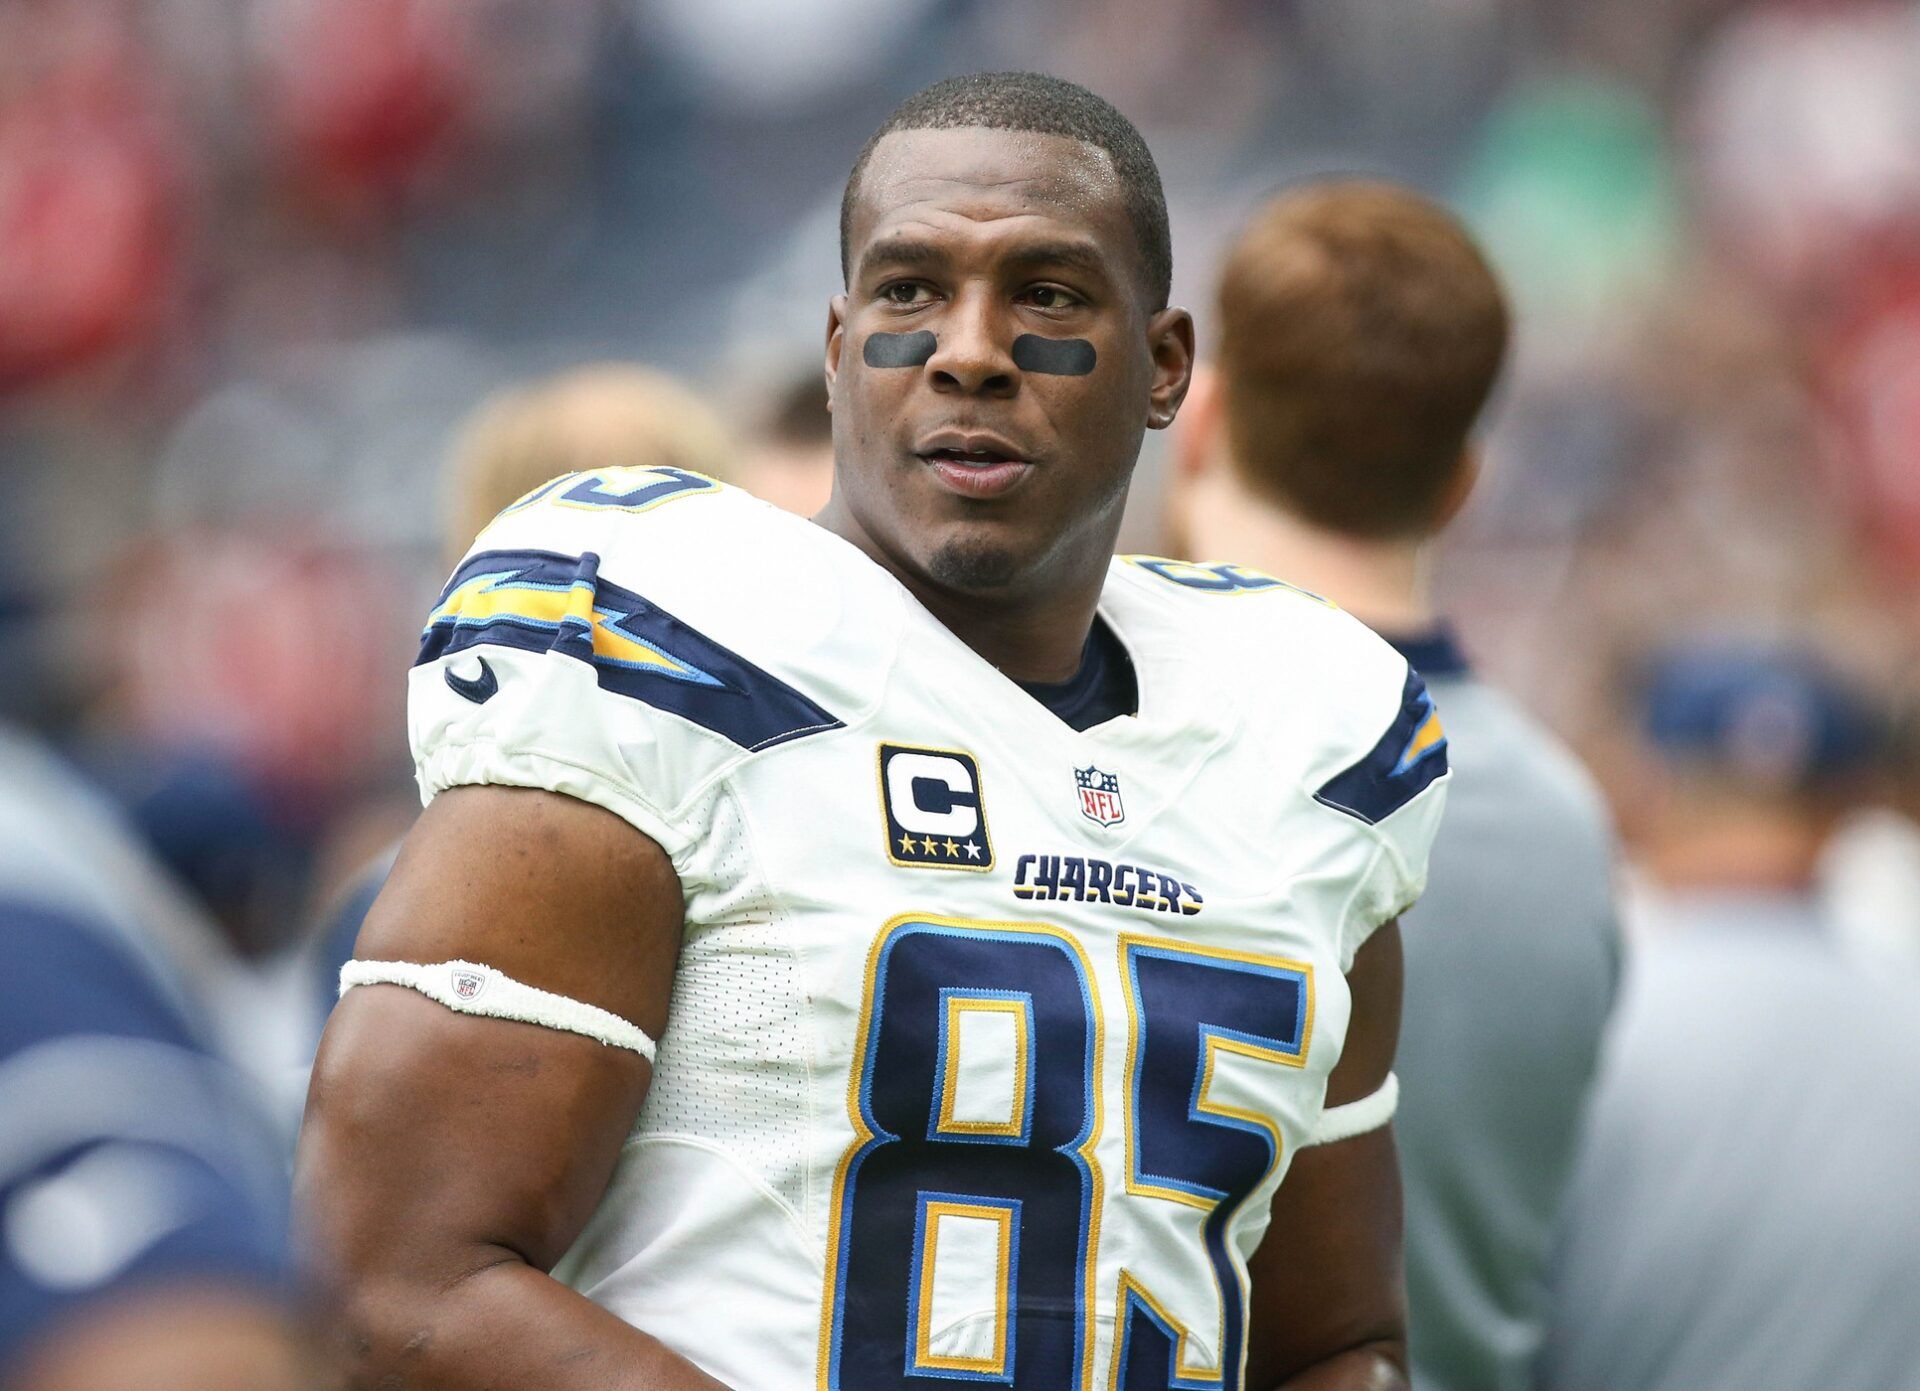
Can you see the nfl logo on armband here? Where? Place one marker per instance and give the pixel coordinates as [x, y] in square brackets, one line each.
[1100, 796]
[467, 985]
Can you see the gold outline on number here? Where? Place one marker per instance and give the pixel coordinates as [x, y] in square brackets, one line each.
[924, 1357]
[1021, 1011]
[1214, 1045]
[862, 1135]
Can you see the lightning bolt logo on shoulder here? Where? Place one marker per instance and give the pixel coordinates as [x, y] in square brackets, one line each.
[561, 605]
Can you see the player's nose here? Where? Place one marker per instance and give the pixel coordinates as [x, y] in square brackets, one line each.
[974, 353]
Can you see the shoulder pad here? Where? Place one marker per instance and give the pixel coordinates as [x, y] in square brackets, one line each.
[700, 584]
[1327, 707]
[629, 636]
[1339, 706]
[1209, 578]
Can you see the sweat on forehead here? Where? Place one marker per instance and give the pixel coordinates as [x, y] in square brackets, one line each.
[1023, 194]
[1012, 163]
[1034, 104]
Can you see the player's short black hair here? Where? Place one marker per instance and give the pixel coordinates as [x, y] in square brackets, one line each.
[1034, 102]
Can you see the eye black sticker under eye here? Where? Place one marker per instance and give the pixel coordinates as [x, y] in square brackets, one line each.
[898, 349]
[1062, 357]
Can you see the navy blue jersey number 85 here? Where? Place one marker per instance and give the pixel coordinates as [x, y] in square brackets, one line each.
[1016, 1194]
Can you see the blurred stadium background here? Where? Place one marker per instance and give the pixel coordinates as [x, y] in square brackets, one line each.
[262, 260]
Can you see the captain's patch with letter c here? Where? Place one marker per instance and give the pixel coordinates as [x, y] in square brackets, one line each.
[931, 802]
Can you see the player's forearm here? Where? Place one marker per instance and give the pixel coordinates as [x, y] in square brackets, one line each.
[1374, 1367]
[506, 1325]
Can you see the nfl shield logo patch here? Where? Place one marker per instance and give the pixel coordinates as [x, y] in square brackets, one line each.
[1100, 796]
[467, 985]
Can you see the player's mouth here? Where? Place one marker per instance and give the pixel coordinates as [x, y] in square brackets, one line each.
[975, 465]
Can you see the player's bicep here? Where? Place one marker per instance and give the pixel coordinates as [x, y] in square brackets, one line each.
[1327, 1276]
[438, 1143]
[546, 889]
[454, 1138]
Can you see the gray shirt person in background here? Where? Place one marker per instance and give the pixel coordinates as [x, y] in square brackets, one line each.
[1745, 1212]
[1361, 332]
[1512, 961]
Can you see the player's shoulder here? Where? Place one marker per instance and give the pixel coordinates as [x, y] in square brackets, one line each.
[1232, 601]
[1287, 651]
[663, 572]
[632, 636]
[656, 527]
[1331, 705]
[598, 503]
[1321, 705]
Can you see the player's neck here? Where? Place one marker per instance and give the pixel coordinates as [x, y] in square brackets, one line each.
[1038, 636]
[1040, 642]
[1385, 584]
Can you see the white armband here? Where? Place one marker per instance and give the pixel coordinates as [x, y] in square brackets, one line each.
[468, 988]
[1358, 1117]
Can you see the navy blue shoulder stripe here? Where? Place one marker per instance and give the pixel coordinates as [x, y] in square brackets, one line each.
[540, 602]
[1410, 755]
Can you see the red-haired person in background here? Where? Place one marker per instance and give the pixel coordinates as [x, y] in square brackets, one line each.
[1360, 334]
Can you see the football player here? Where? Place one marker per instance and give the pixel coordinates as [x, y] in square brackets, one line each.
[1361, 332]
[907, 946]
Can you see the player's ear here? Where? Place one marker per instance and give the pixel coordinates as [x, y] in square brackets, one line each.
[1466, 473]
[836, 339]
[1170, 340]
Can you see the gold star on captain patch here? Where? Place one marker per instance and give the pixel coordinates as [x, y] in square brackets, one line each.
[906, 845]
[926, 846]
[953, 851]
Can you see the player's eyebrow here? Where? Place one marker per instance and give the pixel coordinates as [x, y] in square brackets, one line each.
[1060, 255]
[912, 253]
[902, 253]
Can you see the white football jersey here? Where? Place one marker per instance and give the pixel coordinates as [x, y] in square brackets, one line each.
[991, 1039]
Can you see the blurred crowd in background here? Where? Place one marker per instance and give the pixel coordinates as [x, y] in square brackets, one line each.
[265, 265]
[259, 259]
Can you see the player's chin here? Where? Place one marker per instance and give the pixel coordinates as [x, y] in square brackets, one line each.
[977, 560]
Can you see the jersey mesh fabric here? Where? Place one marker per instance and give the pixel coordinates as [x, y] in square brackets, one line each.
[732, 1066]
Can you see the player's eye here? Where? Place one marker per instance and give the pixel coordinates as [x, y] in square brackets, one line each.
[1051, 297]
[905, 292]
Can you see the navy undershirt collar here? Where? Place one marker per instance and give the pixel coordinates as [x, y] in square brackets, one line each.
[1434, 653]
[1103, 687]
